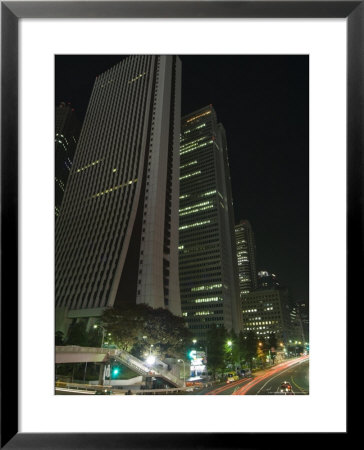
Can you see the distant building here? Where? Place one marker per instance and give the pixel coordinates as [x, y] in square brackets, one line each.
[207, 251]
[299, 320]
[117, 232]
[267, 280]
[67, 130]
[246, 256]
[267, 311]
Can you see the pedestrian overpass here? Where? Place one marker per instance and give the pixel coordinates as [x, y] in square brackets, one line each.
[76, 354]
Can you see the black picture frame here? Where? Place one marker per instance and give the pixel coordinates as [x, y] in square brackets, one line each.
[11, 12]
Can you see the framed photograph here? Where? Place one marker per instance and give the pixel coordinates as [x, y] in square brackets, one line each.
[265, 98]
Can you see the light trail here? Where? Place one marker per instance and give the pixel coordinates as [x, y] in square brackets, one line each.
[76, 391]
[227, 386]
[276, 370]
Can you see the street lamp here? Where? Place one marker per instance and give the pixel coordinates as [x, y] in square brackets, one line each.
[184, 372]
[103, 333]
[150, 360]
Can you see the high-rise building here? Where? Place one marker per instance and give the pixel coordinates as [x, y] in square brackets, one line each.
[267, 280]
[266, 312]
[117, 233]
[246, 254]
[67, 133]
[299, 320]
[207, 253]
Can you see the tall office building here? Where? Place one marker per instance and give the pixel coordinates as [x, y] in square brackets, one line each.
[299, 319]
[67, 133]
[268, 311]
[117, 234]
[246, 254]
[267, 280]
[207, 263]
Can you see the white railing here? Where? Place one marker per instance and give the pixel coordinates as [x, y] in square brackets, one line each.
[78, 349]
[125, 357]
[132, 360]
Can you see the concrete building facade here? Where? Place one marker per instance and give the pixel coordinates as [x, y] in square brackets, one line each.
[207, 253]
[67, 131]
[117, 234]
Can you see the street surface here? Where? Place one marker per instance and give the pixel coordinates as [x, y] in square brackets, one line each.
[295, 371]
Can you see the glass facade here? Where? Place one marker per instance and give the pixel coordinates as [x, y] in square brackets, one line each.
[207, 255]
[245, 247]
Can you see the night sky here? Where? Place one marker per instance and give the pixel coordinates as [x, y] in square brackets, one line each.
[263, 102]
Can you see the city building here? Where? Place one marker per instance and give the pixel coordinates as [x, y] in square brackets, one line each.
[267, 311]
[67, 133]
[207, 250]
[299, 321]
[117, 232]
[267, 280]
[246, 255]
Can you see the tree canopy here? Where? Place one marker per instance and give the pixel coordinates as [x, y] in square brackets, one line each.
[137, 328]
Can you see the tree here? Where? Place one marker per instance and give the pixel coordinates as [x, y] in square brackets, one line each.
[167, 332]
[94, 337]
[272, 342]
[216, 338]
[77, 334]
[232, 350]
[262, 352]
[59, 338]
[125, 324]
[248, 347]
[135, 328]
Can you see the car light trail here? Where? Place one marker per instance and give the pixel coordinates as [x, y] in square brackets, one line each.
[276, 370]
[227, 386]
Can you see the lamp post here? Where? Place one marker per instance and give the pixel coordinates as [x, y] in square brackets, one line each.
[103, 333]
[260, 358]
[195, 350]
[207, 372]
[194, 343]
[230, 345]
[151, 358]
[184, 372]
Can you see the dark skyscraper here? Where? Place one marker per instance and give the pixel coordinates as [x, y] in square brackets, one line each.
[267, 280]
[117, 234]
[266, 312]
[207, 264]
[246, 253]
[67, 134]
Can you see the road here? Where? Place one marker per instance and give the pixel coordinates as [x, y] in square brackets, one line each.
[295, 371]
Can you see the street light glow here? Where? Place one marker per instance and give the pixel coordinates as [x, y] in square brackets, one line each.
[229, 343]
[151, 360]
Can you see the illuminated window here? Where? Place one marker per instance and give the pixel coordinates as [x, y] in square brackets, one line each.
[197, 224]
[198, 116]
